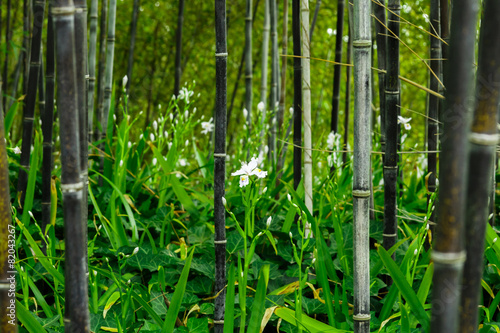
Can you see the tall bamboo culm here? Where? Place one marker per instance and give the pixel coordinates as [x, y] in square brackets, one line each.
[433, 106]
[264, 56]
[297, 95]
[101, 78]
[315, 18]
[281, 108]
[47, 126]
[381, 38]
[178, 47]
[483, 140]
[91, 67]
[8, 322]
[392, 98]
[306, 104]
[273, 99]
[449, 250]
[347, 108]
[337, 69]
[362, 156]
[220, 162]
[6, 59]
[76, 290]
[29, 111]
[110, 52]
[248, 63]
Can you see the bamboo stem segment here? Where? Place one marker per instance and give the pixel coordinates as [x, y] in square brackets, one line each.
[362, 173]
[297, 95]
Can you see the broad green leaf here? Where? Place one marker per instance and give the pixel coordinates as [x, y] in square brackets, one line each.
[110, 302]
[310, 324]
[229, 313]
[27, 319]
[258, 306]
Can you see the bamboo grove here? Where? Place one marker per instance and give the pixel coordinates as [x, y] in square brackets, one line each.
[261, 165]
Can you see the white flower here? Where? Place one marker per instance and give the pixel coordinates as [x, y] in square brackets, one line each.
[31, 214]
[129, 144]
[268, 222]
[121, 163]
[415, 252]
[186, 143]
[291, 111]
[261, 106]
[329, 31]
[264, 190]
[208, 126]
[155, 125]
[170, 145]
[245, 113]
[495, 239]
[114, 117]
[405, 122]
[247, 170]
[289, 197]
[224, 202]
[185, 94]
[171, 115]
[182, 162]
[135, 251]
[244, 181]
[17, 150]
[165, 134]
[125, 81]
[186, 114]
[154, 161]
[289, 234]
[140, 136]
[152, 137]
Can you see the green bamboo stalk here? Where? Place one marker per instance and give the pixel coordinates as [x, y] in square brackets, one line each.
[110, 52]
[381, 37]
[76, 294]
[362, 156]
[297, 95]
[433, 106]
[483, 141]
[91, 63]
[47, 124]
[248, 63]
[6, 59]
[315, 18]
[8, 322]
[29, 111]
[306, 106]
[449, 252]
[392, 102]
[101, 78]
[264, 56]
[220, 162]
[273, 98]
[178, 48]
[282, 148]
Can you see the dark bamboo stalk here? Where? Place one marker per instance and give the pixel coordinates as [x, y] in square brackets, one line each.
[133, 33]
[347, 108]
[381, 37]
[264, 56]
[178, 48]
[282, 148]
[77, 309]
[273, 98]
[26, 43]
[444, 19]
[248, 64]
[337, 68]
[91, 62]
[47, 124]
[8, 322]
[483, 141]
[297, 95]
[315, 18]
[29, 112]
[110, 54]
[392, 101]
[361, 164]
[102, 68]
[6, 60]
[449, 253]
[432, 122]
[220, 162]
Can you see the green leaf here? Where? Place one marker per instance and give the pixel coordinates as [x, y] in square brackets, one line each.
[175, 304]
[400, 280]
[229, 313]
[258, 306]
[110, 302]
[27, 319]
[310, 324]
[198, 325]
[9, 117]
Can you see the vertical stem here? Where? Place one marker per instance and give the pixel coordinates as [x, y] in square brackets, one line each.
[337, 68]
[281, 108]
[220, 161]
[264, 57]
[381, 37]
[110, 52]
[297, 95]
[483, 141]
[76, 292]
[347, 108]
[449, 252]
[178, 48]
[91, 63]
[274, 79]
[6, 60]
[362, 157]
[315, 17]
[102, 67]
[133, 32]
[248, 63]
[306, 104]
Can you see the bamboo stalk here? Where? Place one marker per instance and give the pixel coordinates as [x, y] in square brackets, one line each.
[248, 63]
[362, 174]
[6, 59]
[347, 108]
[273, 98]
[392, 102]
[337, 68]
[77, 310]
[110, 52]
[91, 63]
[433, 106]
[47, 124]
[133, 32]
[29, 111]
[8, 322]
[449, 253]
[102, 68]
[306, 105]
[315, 17]
[483, 140]
[264, 57]
[178, 48]
[220, 162]
[281, 108]
[381, 37]
[297, 95]
[26, 43]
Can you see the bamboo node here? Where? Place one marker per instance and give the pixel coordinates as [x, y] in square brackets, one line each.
[392, 92]
[483, 139]
[59, 11]
[448, 258]
[389, 235]
[362, 43]
[75, 187]
[390, 166]
[360, 193]
[219, 322]
[220, 241]
[220, 155]
[224, 54]
[361, 317]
